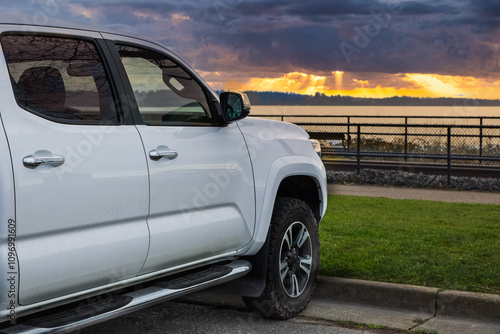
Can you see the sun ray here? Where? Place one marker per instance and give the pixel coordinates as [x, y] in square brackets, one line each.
[338, 79]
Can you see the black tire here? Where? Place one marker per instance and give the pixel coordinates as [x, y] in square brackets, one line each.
[292, 267]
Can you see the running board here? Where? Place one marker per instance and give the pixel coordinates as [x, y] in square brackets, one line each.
[95, 310]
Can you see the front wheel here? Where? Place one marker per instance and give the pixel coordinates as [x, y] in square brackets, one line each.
[293, 261]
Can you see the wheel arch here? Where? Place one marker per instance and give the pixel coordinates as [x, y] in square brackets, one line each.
[305, 188]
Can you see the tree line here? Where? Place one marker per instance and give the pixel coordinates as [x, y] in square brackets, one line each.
[276, 98]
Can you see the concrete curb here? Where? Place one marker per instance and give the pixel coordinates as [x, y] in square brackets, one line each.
[469, 305]
[387, 295]
[455, 304]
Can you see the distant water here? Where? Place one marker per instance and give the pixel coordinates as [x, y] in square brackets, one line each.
[371, 113]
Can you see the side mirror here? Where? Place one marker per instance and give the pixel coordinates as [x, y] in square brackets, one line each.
[234, 106]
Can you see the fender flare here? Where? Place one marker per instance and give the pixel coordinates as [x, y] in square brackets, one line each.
[281, 169]
[253, 284]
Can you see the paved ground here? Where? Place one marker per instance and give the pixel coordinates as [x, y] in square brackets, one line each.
[203, 317]
[422, 194]
[337, 302]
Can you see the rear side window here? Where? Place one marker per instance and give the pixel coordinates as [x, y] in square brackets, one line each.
[61, 79]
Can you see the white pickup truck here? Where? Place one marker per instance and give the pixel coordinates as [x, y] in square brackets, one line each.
[125, 181]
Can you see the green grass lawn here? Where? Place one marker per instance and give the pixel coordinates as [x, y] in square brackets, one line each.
[436, 244]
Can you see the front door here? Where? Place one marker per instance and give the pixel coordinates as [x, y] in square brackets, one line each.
[202, 190]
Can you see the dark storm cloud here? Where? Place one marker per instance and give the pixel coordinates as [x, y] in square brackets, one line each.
[485, 7]
[317, 36]
[445, 37]
[360, 7]
[331, 8]
[296, 47]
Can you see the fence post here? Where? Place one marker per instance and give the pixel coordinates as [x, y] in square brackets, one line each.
[406, 139]
[359, 150]
[480, 140]
[348, 133]
[449, 156]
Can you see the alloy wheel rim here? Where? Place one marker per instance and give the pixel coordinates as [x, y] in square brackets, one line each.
[295, 259]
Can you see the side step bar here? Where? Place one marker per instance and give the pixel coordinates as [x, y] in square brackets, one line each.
[95, 310]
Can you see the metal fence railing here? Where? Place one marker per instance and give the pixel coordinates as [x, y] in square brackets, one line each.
[458, 146]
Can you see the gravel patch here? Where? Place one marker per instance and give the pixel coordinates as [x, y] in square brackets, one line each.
[413, 180]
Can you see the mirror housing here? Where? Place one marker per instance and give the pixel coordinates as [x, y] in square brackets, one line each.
[234, 106]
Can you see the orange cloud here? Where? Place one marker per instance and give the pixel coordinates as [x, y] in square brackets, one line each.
[144, 15]
[84, 11]
[178, 18]
[292, 82]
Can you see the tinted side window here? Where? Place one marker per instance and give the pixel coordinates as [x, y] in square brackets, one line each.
[60, 79]
[165, 93]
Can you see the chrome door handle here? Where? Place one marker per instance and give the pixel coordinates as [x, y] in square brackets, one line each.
[163, 152]
[41, 158]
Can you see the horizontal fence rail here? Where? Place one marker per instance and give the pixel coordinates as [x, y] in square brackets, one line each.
[458, 146]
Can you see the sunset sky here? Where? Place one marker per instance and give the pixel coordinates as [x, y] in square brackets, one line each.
[360, 48]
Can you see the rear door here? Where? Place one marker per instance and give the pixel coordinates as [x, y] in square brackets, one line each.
[202, 191]
[81, 179]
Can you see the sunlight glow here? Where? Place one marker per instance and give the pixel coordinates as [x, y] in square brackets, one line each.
[379, 86]
[437, 84]
[291, 82]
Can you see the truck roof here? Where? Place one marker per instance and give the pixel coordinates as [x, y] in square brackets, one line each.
[30, 20]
